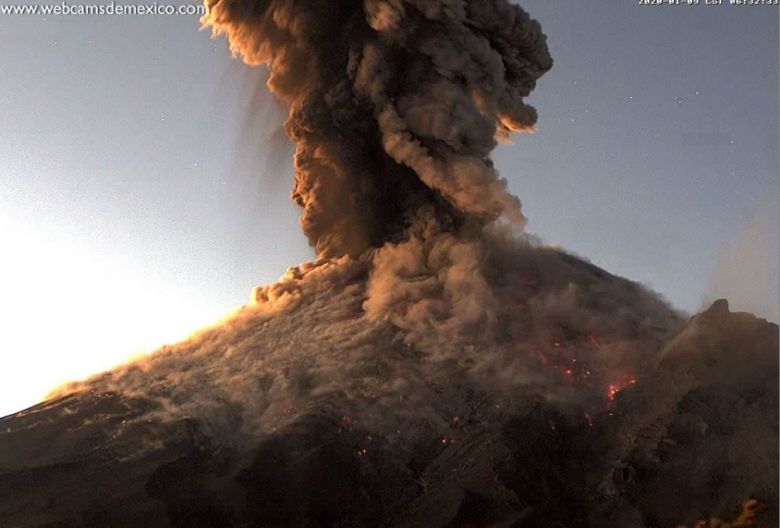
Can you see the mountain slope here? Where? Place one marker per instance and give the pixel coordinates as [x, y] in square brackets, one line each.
[300, 411]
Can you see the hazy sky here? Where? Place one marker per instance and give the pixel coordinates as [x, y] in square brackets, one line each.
[144, 183]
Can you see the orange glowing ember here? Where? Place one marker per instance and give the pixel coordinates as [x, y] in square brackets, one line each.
[614, 389]
[747, 518]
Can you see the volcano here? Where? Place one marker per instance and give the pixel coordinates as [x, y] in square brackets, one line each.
[306, 414]
[435, 365]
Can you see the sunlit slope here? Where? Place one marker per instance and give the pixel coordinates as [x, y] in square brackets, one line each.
[299, 411]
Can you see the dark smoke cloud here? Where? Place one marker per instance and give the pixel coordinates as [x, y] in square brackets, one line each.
[393, 106]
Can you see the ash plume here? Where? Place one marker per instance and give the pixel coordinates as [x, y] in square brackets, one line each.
[393, 107]
[435, 366]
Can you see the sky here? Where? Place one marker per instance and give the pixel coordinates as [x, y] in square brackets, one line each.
[144, 177]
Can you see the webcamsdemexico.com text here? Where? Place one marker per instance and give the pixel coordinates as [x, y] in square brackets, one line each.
[112, 8]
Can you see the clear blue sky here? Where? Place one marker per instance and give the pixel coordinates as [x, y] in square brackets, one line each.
[658, 138]
[144, 186]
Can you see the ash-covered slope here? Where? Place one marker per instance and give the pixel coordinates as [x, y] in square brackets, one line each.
[300, 411]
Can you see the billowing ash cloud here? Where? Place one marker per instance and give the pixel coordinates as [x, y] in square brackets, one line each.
[394, 106]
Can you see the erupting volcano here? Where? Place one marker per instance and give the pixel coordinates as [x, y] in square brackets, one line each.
[436, 365]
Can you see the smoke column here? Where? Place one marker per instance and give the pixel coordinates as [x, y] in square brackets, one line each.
[394, 107]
